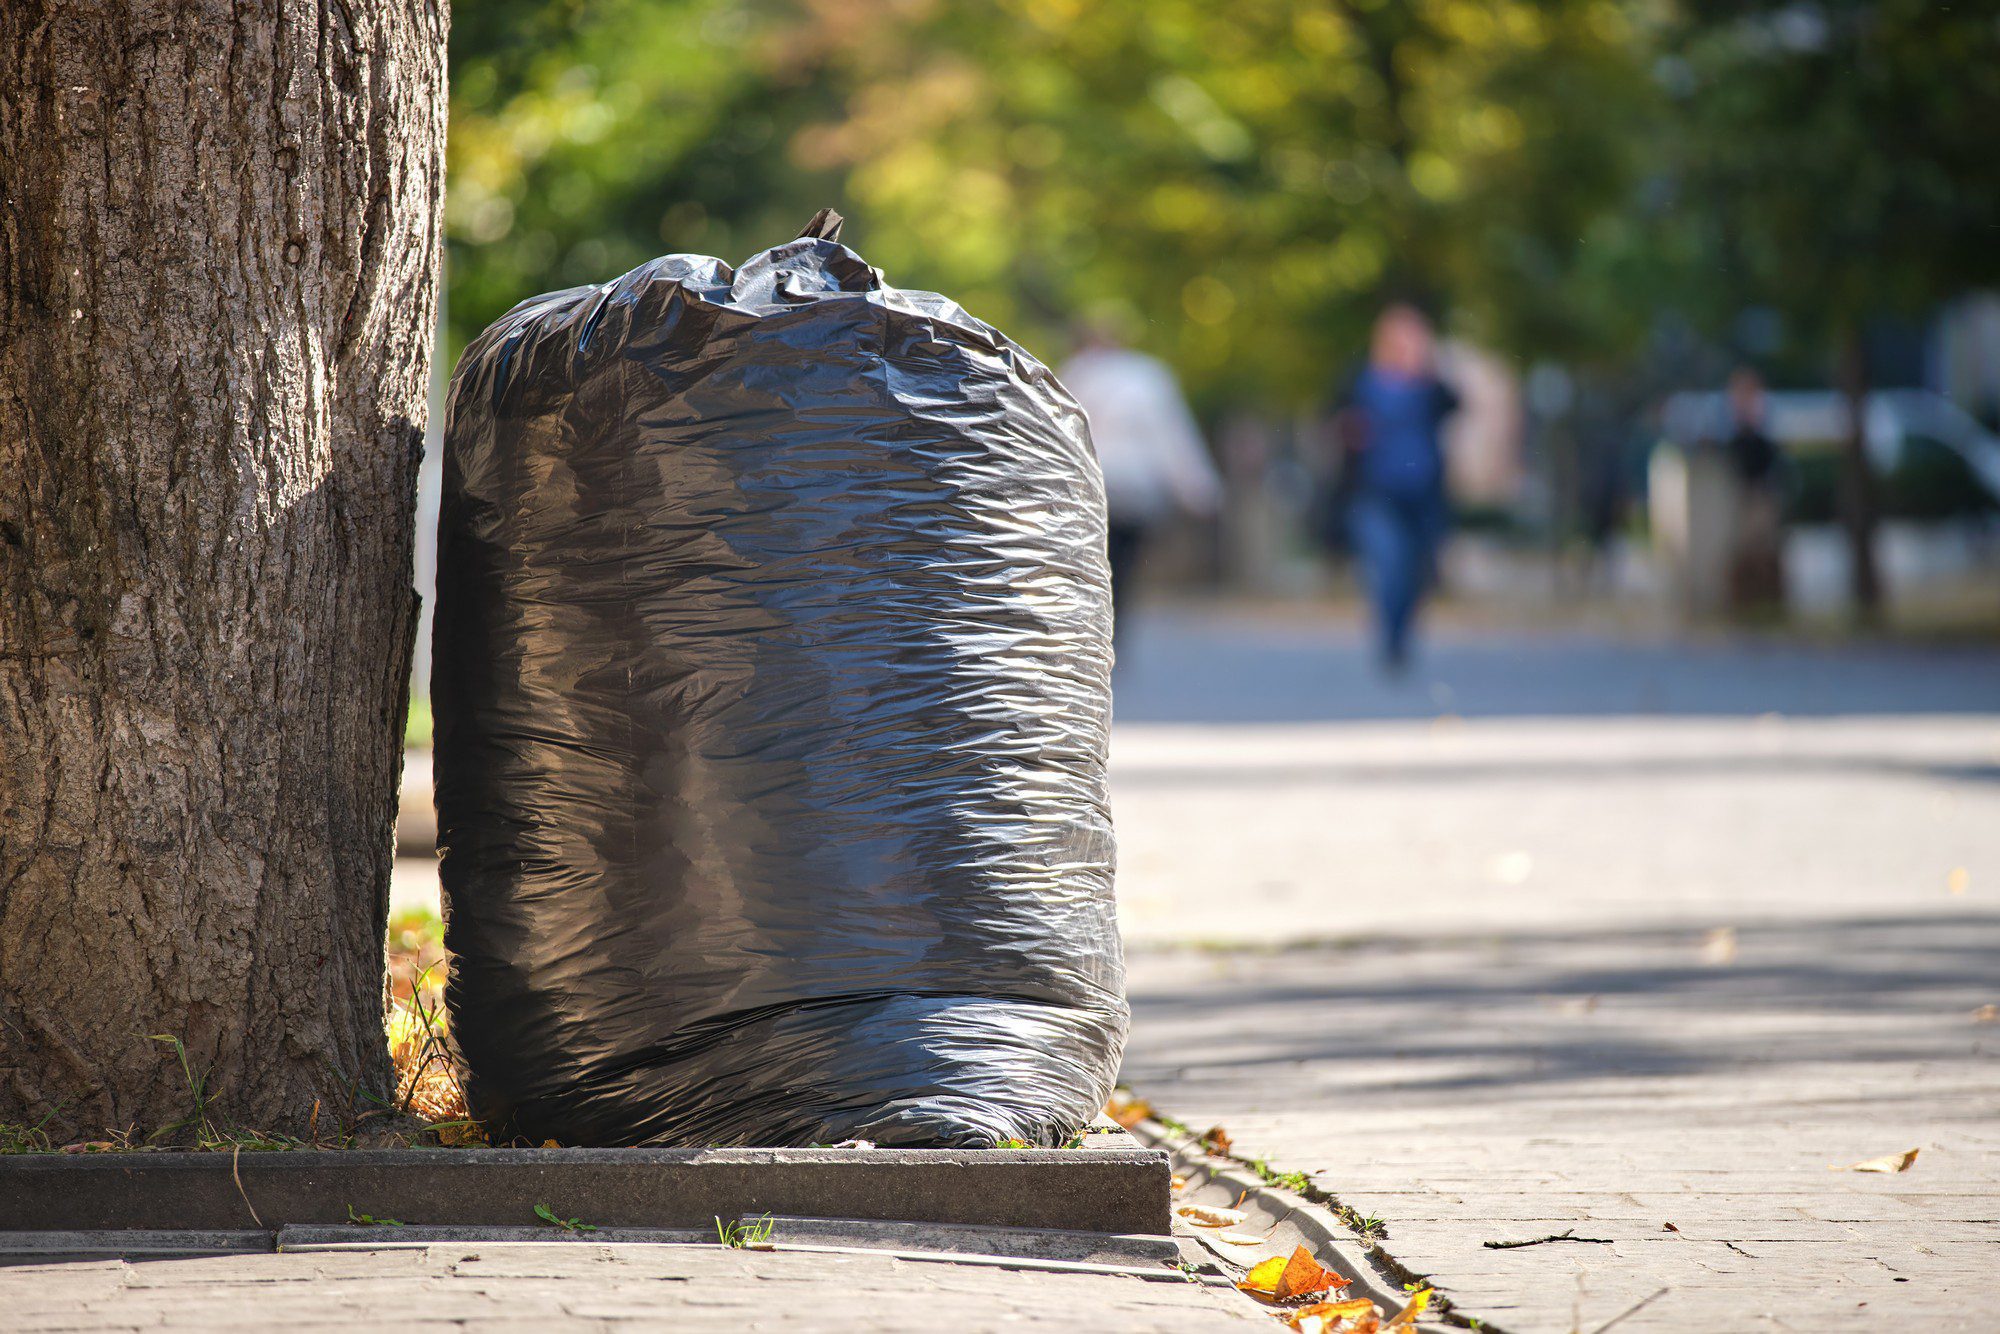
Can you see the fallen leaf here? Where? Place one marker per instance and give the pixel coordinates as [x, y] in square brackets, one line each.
[1718, 947]
[1890, 1162]
[1306, 1277]
[1669, 1227]
[90, 1146]
[1283, 1278]
[1243, 1238]
[1263, 1276]
[1127, 1111]
[1216, 1140]
[550, 1144]
[1209, 1215]
[1177, 1181]
[1986, 1014]
[1418, 1303]
[1959, 880]
[1329, 1313]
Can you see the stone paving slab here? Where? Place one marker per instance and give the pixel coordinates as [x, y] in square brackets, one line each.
[591, 1287]
[1592, 938]
[1436, 1090]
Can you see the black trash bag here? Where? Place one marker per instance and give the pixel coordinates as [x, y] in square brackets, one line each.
[772, 690]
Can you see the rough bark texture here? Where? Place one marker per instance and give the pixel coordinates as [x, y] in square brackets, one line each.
[218, 261]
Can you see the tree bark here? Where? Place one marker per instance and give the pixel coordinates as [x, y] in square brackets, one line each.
[1858, 499]
[218, 265]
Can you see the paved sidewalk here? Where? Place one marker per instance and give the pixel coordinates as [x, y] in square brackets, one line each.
[1515, 973]
[579, 1286]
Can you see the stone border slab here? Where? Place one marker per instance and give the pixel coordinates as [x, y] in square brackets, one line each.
[1284, 1219]
[1100, 1189]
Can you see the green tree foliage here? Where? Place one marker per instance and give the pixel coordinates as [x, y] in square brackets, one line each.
[1238, 186]
[588, 136]
[1834, 160]
[1241, 185]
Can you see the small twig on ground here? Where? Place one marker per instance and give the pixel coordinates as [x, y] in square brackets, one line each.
[235, 1154]
[1543, 1241]
[1633, 1309]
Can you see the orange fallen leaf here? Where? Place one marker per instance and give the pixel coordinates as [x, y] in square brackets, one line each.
[1306, 1277]
[1283, 1278]
[1986, 1014]
[1323, 1315]
[1890, 1162]
[1209, 1215]
[1177, 1181]
[1216, 1141]
[1418, 1303]
[1128, 1111]
[550, 1144]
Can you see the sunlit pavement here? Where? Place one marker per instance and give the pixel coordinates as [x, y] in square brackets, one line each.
[1564, 934]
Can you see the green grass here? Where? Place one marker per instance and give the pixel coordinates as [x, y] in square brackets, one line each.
[202, 1126]
[554, 1219]
[18, 1137]
[741, 1234]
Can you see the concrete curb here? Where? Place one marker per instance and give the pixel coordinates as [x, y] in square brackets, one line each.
[1106, 1190]
[1285, 1218]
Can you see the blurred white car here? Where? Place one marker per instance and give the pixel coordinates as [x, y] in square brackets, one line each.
[1810, 421]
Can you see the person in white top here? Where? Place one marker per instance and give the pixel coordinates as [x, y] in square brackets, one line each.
[1148, 444]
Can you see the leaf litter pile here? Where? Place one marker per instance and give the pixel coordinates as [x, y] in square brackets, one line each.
[426, 1080]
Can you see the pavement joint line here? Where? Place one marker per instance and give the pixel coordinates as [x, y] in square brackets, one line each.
[1377, 1274]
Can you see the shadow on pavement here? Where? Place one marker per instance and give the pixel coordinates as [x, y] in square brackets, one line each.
[1312, 1024]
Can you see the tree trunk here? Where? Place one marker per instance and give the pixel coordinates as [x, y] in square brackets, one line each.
[1858, 499]
[218, 266]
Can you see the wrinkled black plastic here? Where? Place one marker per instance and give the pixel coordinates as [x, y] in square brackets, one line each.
[772, 688]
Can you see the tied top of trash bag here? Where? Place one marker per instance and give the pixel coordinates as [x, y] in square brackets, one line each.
[772, 693]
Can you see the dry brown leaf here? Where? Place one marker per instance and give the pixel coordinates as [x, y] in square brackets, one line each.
[1418, 1303]
[90, 1146]
[1888, 1162]
[1216, 1140]
[1209, 1215]
[1127, 1111]
[1322, 1316]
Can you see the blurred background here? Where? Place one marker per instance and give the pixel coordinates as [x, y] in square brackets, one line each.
[1605, 206]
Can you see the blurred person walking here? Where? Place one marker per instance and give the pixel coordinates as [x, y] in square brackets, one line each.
[1149, 446]
[1757, 531]
[1391, 426]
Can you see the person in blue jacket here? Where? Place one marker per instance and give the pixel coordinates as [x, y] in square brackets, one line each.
[1392, 426]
